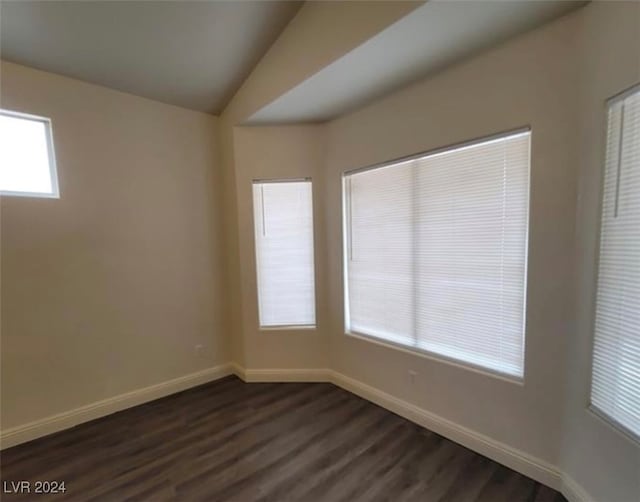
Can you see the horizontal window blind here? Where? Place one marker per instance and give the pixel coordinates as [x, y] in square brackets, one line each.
[436, 252]
[615, 389]
[283, 216]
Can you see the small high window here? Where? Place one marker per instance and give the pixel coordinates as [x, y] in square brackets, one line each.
[27, 160]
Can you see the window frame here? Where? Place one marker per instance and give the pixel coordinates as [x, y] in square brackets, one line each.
[53, 170]
[417, 351]
[601, 415]
[285, 327]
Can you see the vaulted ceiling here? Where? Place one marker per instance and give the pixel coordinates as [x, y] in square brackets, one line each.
[190, 54]
[197, 54]
[435, 35]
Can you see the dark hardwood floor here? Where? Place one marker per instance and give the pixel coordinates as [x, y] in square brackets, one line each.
[231, 441]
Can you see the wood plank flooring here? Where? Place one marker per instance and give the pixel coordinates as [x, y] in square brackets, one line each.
[231, 441]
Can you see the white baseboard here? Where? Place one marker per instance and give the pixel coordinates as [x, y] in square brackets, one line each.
[281, 374]
[513, 458]
[238, 371]
[573, 491]
[67, 419]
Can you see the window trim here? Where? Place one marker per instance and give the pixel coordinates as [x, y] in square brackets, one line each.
[285, 327]
[288, 327]
[590, 407]
[612, 423]
[53, 170]
[441, 149]
[466, 365]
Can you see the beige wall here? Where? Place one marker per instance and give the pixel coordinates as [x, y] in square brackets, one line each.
[301, 50]
[109, 288]
[280, 153]
[530, 81]
[320, 33]
[138, 262]
[554, 79]
[603, 461]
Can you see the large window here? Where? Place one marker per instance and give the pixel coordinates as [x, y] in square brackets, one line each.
[27, 161]
[615, 389]
[435, 252]
[283, 215]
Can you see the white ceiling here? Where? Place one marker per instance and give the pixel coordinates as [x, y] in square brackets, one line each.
[191, 54]
[437, 34]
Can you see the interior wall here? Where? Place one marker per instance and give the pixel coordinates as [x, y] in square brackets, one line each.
[531, 81]
[280, 153]
[301, 50]
[303, 47]
[605, 462]
[109, 288]
[134, 267]
[554, 79]
[232, 299]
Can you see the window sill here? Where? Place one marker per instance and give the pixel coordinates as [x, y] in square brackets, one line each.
[293, 327]
[38, 195]
[612, 424]
[438, 358]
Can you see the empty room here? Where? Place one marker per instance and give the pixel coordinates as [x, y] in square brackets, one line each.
[320, 251]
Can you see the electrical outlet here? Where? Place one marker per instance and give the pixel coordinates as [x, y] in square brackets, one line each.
[199, 349]
[412, 377]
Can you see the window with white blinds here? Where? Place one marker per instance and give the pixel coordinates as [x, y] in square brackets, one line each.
[615, 389]
[435, 252]
[283, 217]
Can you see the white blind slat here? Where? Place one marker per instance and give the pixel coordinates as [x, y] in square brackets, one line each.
[615, 389]
[283, 221]
[436, 252]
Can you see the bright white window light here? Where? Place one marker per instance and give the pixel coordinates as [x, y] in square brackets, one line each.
[436, 252]
[283, 213]
[27, 160]
[615, 383]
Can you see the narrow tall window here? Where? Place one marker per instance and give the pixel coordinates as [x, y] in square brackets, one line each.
[615, 390]
[283, 216]
[436, 250]
[27, 161]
